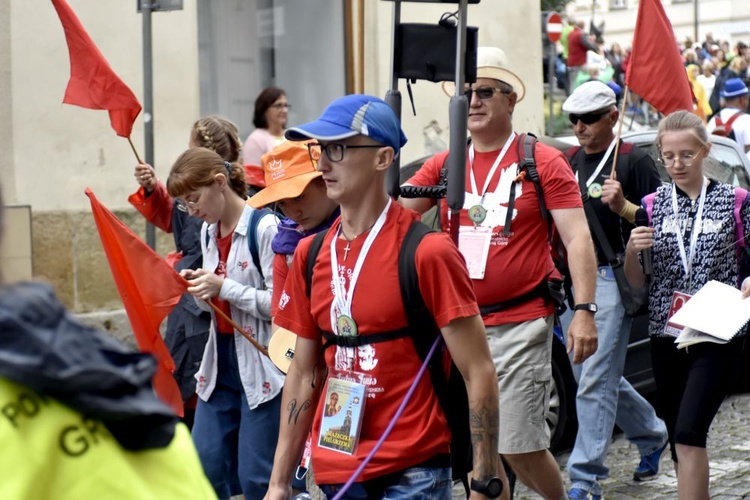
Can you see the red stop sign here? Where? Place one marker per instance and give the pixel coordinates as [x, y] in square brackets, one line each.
[554, 26]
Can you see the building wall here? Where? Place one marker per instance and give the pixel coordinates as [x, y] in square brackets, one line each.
[725, 19]
[512, 26]
[50, 152]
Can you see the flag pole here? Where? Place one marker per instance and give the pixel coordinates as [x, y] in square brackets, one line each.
[135, 152]
[221, 313]
[613, 174]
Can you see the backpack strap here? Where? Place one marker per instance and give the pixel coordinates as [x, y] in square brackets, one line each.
[740, 195]
[648, 204]
[252, 236]
[728, 125]
[312, 256]
[527, 165]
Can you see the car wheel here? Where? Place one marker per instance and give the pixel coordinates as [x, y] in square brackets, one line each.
[561, 414]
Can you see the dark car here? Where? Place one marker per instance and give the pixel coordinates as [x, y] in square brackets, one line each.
[726, 163]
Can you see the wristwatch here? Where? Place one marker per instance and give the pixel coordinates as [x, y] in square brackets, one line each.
[491, 488]
[586, 306]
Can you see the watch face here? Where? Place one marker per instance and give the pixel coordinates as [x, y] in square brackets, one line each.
[494, 487]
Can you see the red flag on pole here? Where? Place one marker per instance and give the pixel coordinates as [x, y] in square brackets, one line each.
[92, 82]
[149, 289]
[656, 72]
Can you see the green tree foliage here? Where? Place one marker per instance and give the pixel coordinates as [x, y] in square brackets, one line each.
[557, 5]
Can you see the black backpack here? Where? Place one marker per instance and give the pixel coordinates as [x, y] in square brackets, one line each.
[449, 388]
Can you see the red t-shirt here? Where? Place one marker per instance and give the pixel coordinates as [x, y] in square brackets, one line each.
[576, 49]
[421, 432]
[519, 262]
[224, 245]
[280, 272]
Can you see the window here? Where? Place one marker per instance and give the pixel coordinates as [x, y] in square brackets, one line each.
[247, 45]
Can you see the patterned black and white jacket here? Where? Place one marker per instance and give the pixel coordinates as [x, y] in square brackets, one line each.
[720, 249]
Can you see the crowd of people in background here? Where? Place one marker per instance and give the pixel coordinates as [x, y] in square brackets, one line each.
[709, 64]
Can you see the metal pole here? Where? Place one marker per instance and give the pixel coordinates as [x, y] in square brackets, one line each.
[393, 98]
[148, 102]
[458, 113]
[551, 92]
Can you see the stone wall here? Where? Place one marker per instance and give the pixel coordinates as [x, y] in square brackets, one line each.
[68, 254]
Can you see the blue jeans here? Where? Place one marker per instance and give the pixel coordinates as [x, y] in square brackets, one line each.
[604, 397]
[235, 444]
[415, 483]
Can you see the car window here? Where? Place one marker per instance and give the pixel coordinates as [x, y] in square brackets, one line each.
[722, 165]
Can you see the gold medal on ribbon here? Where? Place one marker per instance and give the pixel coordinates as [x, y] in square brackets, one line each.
[595, 190]
[346, 326]
[477, 214]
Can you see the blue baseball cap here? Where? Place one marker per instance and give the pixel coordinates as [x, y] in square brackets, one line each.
[355, 114]
[734, 87]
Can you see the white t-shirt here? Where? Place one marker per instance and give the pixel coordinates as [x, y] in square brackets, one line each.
[740, 126]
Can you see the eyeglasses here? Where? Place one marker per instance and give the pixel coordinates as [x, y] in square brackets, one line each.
[588, 118]
[281, 105]
[687, 159]
[334, 150]
[485, 93]
[188, 206]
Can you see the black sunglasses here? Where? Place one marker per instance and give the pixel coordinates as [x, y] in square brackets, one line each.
[588, 118]
[485, 93]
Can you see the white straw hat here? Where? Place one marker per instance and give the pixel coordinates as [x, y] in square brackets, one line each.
[492, 63]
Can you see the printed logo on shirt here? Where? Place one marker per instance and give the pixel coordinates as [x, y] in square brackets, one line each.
[221, 269]
[673, 225]
[242, 265]
[283, 300]
[496, 203]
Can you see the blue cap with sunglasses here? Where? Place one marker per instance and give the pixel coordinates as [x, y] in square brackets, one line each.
[355, 114]
[589, 97]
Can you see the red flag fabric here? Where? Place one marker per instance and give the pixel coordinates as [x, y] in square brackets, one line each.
[149, 289]
[92, 82]
[656, 72]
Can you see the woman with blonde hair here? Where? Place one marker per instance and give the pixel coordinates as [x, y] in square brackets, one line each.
[239, 388]
[695, 224]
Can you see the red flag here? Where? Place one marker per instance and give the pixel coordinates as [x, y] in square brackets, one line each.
[149, 289]
[92, 82]
[656, 72]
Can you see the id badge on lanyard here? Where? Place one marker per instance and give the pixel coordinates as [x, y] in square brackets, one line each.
[474, 245]
[343, 412]
[678, 300]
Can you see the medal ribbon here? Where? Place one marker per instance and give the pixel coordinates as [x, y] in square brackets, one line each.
[599, 168]
[342, 298]
[499, 158]
[687, 261]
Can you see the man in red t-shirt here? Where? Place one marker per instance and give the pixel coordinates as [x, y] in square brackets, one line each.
[579, 44]
[508, 269]
[358, 137]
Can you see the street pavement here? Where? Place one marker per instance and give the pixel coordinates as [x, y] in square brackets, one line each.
[728, 453]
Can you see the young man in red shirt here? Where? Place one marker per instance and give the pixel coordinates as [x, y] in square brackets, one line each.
[511, 265]
[358, 137]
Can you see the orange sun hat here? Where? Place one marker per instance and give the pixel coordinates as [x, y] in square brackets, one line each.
[288, 169]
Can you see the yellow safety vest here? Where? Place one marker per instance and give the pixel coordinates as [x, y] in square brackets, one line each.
[50, 451]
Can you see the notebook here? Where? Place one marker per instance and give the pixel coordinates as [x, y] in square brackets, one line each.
[716, 313]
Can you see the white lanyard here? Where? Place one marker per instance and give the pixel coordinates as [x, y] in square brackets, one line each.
[342, 299]
[499, 158]
[601, 163]
[687, 262]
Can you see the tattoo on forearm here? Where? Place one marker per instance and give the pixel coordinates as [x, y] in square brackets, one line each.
[294, 412]
[484, 423]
